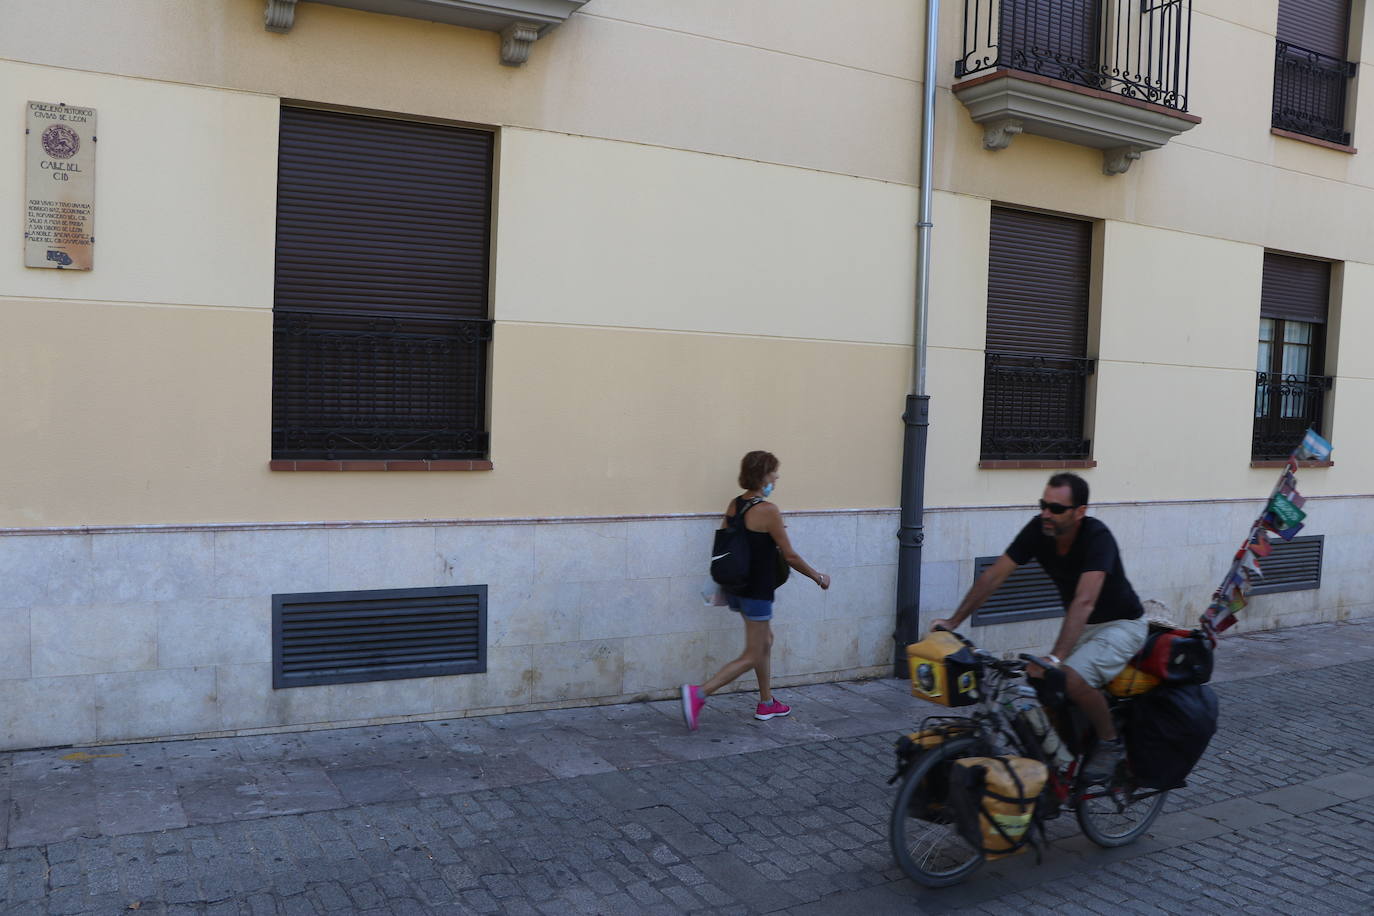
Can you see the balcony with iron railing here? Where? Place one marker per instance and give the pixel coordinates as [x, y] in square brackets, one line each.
[1033, 407]
[1286, 406]
[1106, 74]
[1310, 92]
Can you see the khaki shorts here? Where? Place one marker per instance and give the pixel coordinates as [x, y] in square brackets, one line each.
[1105, 648]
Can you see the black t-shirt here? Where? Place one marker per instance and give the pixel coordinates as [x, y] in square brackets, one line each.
[1093, 550]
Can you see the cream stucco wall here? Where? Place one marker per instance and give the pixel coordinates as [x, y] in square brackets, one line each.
[703, 244]
[648, 228]
[142, 389]
[185, 191]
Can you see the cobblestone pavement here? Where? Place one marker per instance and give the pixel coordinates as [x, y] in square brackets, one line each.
[741, 817]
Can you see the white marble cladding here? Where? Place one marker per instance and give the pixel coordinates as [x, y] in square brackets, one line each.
[1174, 553]
[141, 634]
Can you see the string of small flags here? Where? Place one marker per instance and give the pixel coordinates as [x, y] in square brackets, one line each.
[1283, 517]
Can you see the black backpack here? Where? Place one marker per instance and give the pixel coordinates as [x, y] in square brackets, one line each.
[730, 552]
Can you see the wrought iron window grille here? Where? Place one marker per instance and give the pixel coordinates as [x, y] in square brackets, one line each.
[1310, 92]
[1138, 49]
[356, 387]
[1286, 406]
[1033, 406]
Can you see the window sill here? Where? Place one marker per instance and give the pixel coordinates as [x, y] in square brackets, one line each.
[1283, 463]
[278, 464]
[1034, 463]
[1315, 141]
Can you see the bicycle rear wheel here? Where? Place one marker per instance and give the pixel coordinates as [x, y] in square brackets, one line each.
[924, 839]
[1119, 813]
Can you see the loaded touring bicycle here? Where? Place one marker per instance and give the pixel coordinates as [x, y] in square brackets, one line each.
[982, 786]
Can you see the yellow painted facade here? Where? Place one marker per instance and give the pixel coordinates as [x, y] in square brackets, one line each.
[625, 208]
[703, 242]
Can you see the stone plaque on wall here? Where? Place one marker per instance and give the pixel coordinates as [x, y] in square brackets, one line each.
[59, 211]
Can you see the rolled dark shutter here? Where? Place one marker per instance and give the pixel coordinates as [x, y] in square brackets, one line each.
[1317, 25]
[1044, 32]
[382, 217]
[381, 318]
[1297, 289]
[1034, 378]
[1038, 272]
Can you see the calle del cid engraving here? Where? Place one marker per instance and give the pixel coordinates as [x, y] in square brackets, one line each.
[59, 215]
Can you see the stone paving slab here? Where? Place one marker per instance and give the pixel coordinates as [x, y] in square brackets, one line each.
[743, 817]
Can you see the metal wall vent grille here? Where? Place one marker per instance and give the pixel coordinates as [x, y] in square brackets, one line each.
[1028, 594]
[378, 635]
[1292, 566]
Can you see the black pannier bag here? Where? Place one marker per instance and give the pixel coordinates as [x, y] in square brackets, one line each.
[1168, 730]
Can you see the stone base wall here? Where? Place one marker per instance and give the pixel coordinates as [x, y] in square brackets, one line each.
[128, 634]
[1174, 553]
[124, 634]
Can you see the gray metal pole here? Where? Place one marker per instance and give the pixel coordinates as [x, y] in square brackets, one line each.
[911, 534]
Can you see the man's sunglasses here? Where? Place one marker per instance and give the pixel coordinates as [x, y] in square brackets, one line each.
[1055, 508]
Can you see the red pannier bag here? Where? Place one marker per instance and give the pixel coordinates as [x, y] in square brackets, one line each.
[1176, 656]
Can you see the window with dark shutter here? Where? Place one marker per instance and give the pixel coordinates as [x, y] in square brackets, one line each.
[1027, 594]
[1311, 70]
[381, 324]
[1290, 389]
[1036, 366]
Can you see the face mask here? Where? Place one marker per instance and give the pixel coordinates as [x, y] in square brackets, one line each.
[767, 490]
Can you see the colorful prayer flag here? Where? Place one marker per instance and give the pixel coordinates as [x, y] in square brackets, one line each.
[1289, 533]
[1313, 446]
[1261, 545]
[1288, 514]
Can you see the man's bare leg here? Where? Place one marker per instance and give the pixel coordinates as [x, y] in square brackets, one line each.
[1092, 702]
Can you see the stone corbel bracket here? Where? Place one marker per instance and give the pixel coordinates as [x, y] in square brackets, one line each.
[1007, 103]
[516, 40]
[519, 22]
[280, 15]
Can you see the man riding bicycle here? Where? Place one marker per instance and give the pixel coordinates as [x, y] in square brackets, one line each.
[1104, 623]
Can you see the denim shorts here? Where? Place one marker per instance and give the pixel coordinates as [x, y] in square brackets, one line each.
[751, 608]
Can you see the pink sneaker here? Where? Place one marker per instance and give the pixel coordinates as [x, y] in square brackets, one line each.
[771, 710]
[692, 701]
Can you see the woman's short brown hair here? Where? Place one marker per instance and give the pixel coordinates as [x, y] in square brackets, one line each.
[754, 467]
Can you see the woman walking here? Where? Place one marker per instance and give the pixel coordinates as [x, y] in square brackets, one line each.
[758, 474]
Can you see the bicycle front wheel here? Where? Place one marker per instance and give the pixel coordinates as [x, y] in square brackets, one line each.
[924, 839]
[1119, 813]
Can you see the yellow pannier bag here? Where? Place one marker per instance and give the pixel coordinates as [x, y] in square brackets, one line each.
[995, 799]
[1132, 682]
[943, 670]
